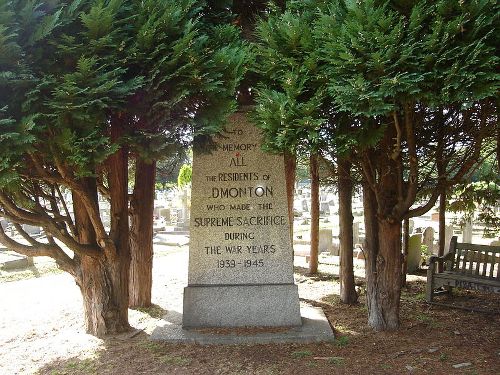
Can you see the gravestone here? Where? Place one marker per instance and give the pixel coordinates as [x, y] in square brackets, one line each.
[32, 229]
[355, 233]
[325, 240]
[165, 214]
[4, 223]
[414, 252]
[467, 232]
[411, 226]
[448, 233]
[305, 205]
[240, 254]
[428, 240]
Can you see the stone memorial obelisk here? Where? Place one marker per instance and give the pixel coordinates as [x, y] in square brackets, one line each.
[240, 255]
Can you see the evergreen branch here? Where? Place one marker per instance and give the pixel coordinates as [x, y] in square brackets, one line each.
[40, 249]
[65, 207]
[25, 235]
[49, 224]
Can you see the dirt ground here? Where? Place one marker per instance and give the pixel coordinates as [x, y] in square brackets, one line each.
[41, 332]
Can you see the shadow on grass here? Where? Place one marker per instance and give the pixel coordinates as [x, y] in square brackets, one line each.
[122, 355]
[319, 276]
[30, 272]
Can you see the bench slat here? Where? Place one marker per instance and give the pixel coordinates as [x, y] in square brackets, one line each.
[480, 261]
[464, 261]
[497, 258]
[461, 245]
[485, 264]
[492, 265]
[457, 263]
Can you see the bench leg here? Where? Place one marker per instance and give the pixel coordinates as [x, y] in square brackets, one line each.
[429, 293]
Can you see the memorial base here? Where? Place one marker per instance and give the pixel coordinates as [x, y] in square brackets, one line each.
[241, 306]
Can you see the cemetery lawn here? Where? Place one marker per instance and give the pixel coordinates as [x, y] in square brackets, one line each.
[41, 332]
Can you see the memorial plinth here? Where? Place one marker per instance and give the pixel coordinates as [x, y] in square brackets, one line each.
[240, 255]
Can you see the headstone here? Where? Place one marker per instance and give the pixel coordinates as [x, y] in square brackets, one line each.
[305, 205]
[467, 232]
[448, 233]
[358, 252]
[414, 252]
[324, 208]
[31, 229]
[105, 216]
[325, 240]
[428, 240]
[355, 233]
[165, 214]
[240, 255]
[4, 223]
[335, 249]
[411, 224]
[156, 211]
[495, 242]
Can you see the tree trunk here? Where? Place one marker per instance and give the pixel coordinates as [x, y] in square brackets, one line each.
[406, 239]
[383, 266]
[347, 287]
[442, 227]
[118, 258]
[370, 248]
[314, 171]
[104, 310]
[141, 234]
[387, 278]
[290, 166]
[103, 297]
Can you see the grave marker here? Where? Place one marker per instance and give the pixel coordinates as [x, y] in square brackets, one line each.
[240, 255]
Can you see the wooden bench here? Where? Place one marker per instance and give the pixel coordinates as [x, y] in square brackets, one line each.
[466, 266]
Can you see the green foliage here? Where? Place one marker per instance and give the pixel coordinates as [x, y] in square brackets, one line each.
[342, 341]
[291, 94]
[378, 57]
[301, 354]
[191, 70]
[425, 254]
[185, 176]
[67, 67]
[481, 197]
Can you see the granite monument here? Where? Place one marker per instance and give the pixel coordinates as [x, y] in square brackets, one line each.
[240, 254]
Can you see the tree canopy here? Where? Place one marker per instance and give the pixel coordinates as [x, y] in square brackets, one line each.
[406, 88]
[83, 84]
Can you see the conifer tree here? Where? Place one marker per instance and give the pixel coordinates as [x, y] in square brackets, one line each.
[75, 102]
[416, 81]
[419, 76]
[191, 66]
[290, 97]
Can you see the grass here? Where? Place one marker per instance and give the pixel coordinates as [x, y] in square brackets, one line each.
[175, 360]
[150, 345]
[427, 320]
[342, 341]
[154, 311]
[301, 354]
[386, 366]
[336, 361]
[85, 366]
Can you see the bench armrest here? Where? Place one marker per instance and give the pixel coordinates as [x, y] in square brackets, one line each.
[434, 259]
